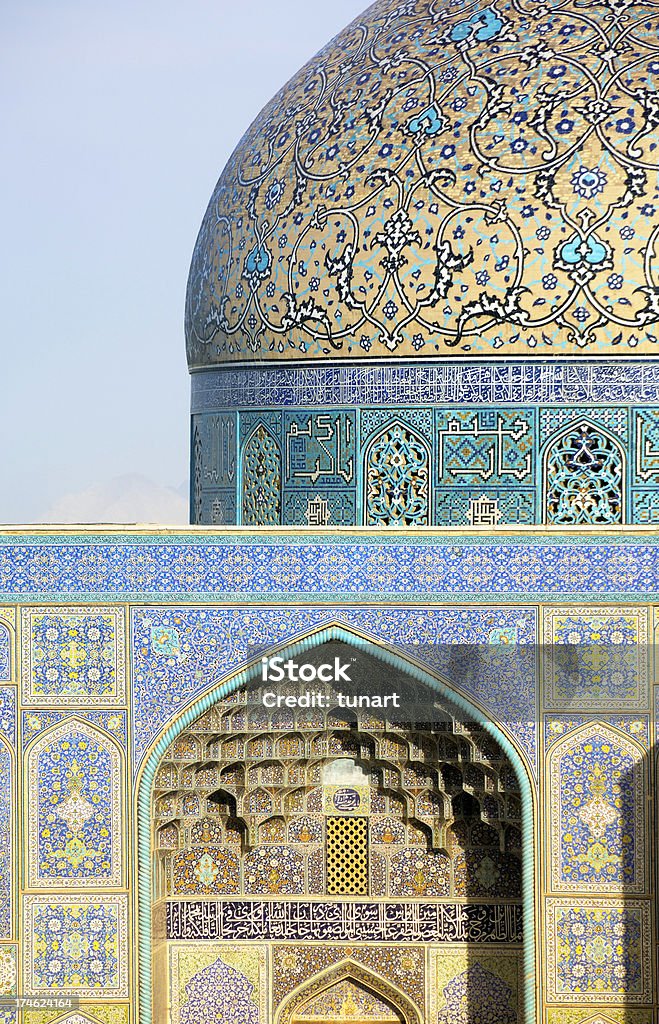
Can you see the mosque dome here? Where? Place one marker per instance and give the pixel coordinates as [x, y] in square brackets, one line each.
[444, 179]
[426, 288]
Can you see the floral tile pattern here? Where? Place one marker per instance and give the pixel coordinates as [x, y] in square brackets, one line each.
[77, 945]
[596, 658]
[598, 801]
[75, 821]
[76, 656]
[599, 951]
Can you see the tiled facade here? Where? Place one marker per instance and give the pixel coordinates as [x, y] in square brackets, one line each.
[71, 889]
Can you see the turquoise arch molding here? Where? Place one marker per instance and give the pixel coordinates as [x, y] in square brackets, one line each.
[529, 1003]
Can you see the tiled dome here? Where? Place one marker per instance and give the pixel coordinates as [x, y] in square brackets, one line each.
[444, 179]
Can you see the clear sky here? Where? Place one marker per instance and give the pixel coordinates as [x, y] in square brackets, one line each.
[116, 121]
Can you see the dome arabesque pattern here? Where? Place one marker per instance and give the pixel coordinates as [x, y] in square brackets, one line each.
[444, 179]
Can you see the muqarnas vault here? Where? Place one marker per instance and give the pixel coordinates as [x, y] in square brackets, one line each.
[424, 297]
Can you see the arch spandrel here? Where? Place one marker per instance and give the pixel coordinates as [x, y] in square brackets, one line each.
[344, 990]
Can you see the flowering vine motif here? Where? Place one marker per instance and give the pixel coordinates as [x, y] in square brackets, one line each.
[584, 474]
[444, 181]
[397, 479]
[261, 479]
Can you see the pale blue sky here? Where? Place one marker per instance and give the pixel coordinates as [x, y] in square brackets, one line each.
[116, 120]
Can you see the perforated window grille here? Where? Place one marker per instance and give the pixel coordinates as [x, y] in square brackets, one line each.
[347, 856]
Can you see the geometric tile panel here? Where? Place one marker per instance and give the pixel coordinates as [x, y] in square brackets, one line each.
[221, 982]
[75, 826]
[598, 951]
[74, 656]
[597, 813]
[76, 945]
[596, 658]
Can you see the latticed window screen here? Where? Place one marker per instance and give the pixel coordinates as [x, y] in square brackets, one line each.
[347, 856]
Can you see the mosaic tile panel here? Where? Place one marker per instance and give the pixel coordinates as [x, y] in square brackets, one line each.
[599, 951]
[213, 642]
[77, 945]
[465, 985]
[596, 658]
[484, 506]
[75, 656]
[319, 508]
[217, 438]
[222, 982]
[584, 477]
[598, 802]
[646, 447]
[554, 420]
[75, 818]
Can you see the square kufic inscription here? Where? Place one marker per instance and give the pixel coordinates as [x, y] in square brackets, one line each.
[73, 655]
[76, 945]
[596, 658]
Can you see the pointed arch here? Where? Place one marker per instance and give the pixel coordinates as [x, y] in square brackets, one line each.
[74, 786]
[352, 971]
[397, 477]
[261, 478]
[596, 802]
[249, 674]
[583, 476]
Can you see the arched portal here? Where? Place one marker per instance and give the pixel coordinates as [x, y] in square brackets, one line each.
[246, 813]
